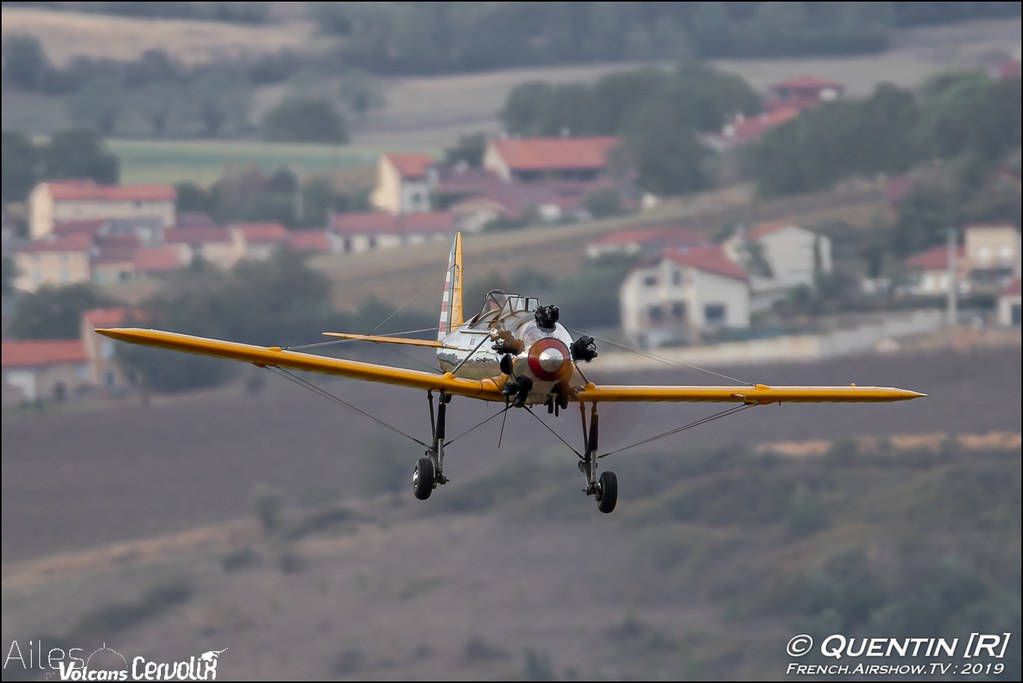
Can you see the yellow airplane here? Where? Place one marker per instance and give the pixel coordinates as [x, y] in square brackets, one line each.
[513, 351]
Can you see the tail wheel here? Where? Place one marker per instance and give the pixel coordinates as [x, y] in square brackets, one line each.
[423, 478]
[607, 492]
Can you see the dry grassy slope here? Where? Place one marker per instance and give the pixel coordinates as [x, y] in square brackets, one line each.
[65, 35]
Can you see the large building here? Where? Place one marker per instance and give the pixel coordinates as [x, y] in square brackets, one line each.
[53, 202]
[43, 370]
[536, 159]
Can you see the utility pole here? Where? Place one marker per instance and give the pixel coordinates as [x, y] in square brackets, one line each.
[952, 313]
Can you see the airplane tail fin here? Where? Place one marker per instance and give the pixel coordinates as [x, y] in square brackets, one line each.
[451, 304]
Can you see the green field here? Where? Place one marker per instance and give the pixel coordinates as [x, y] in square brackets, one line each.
[167, 161]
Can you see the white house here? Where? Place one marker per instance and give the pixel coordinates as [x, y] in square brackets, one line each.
[360, 232]
[682, 296]
[791, 255]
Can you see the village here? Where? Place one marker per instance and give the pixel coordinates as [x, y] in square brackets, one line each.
[684, 289]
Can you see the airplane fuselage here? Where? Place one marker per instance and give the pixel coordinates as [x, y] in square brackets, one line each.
[545, 357]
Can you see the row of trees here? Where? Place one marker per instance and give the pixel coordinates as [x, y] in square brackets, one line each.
[442, 37]
[961, 118]
[250, 194]
[156, 93]
[75, 153]
[660, 114]
[229, 12]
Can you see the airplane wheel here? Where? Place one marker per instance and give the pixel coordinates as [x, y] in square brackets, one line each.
[422, 478]
[607, 492]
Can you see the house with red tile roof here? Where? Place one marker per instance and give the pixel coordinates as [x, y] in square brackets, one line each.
[104, 370]
[156, 260]
[1009, 304]
[647, 240]
[802, 92]
[402, 183]
[313, 240]
[369, 231]
[215, 244]
[54, 260]
[536, 159]
[683, 297]
[259, 240]
[745, 129]
[41, 370]
[53, 202]
[929, 270]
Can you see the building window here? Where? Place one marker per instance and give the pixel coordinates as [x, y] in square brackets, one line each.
[109, 378]
[676, 277]
[714, 314]
[650, 281]
[655, 314]
[678, 310]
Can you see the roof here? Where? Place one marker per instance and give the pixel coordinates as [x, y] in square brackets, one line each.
[117, 252]
[195, 219]
[539, 154]
[309, 240]
[807, 83]
[1011, 289]
[262, 233]
[362, 223]
[466, 180]
[935, 258]
[664, 235]
[1008, 69]
[157, 259]
[754, 127]
[109, 317]
[35, 353]
[761, 230]
[710, 259]
[196, 235]
[90, 190]
[66, 243]
[383, 223]
[88, 226]
[412, 165]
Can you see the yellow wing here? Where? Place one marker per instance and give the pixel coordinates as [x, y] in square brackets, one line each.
[755, 394]
[274, 356]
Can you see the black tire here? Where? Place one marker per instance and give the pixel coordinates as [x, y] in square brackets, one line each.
[422, 478]
[607, 492]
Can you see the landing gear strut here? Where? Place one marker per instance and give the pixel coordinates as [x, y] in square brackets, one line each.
[429, 471]
[604, 488]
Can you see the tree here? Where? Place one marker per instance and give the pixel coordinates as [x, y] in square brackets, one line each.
[361, 91]
[98, 103]
[219, 102]
[25, 63]
[55, 312]
[156, 104]
[668, 158]
[305, 119]
[604, 203]
[80, 153]
[469, 149]
[522, 104]
[20, 161]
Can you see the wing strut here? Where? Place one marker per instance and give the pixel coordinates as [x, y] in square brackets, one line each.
[670, 432]
[340, 401]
